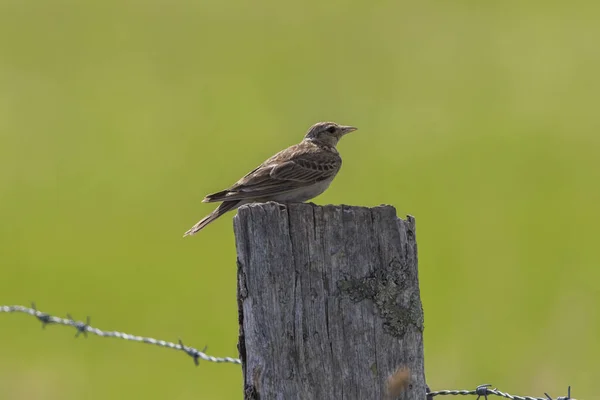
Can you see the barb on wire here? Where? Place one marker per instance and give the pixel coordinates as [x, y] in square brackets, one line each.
[85, 328]
[483, 391]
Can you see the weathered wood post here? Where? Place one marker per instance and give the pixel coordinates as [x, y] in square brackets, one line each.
[329, 303]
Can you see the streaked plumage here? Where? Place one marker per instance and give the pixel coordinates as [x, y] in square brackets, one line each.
[296, 174]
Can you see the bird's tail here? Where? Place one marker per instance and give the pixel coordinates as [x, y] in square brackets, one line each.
[222, 209]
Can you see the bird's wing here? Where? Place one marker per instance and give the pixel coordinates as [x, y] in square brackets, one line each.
[288, 170]
[307, 170]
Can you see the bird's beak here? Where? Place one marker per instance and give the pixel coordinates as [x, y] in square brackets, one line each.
[348, 129]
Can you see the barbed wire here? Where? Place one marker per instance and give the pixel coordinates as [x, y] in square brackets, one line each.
[482, 391]
[85, 328]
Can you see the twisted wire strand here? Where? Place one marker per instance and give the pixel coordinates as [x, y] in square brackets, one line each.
[483, 391]
[85, 328]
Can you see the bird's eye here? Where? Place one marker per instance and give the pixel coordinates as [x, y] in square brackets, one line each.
[331, 129]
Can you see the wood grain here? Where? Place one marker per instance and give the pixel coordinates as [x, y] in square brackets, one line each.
[329, 303]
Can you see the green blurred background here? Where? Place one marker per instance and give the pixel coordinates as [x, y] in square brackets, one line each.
[117, 117]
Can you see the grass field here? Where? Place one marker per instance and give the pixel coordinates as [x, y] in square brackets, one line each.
[117, 117]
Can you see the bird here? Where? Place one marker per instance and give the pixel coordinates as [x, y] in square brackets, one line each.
[294, 175]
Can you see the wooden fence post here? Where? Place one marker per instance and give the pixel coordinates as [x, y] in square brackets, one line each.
[329, 303]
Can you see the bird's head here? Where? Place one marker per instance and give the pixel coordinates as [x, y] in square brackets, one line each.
[327, 132]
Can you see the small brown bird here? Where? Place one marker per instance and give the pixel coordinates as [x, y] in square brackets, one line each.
[293, 175]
